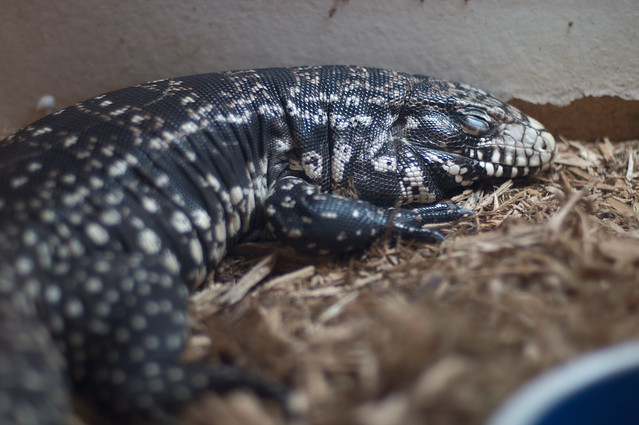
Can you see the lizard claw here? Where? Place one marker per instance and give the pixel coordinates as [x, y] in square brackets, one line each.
[408, 223]
[440, 213]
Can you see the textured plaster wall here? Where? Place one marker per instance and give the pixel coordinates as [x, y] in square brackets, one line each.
[537, 51]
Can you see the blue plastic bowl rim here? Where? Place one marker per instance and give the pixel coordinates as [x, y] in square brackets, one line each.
[537, 398]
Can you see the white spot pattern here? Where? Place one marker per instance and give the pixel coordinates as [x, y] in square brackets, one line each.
[121, 218]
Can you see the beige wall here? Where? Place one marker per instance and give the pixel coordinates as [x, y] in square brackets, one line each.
[538, 51]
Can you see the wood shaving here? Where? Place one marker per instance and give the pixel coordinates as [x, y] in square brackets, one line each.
[408, 333]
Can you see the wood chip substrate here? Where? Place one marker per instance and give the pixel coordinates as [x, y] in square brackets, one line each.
[409, 333]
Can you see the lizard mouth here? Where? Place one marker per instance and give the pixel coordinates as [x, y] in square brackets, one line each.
[516, 149]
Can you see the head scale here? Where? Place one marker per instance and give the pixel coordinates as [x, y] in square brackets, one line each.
[471, 133]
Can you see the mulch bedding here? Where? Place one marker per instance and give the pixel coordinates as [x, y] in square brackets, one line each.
[411, 333]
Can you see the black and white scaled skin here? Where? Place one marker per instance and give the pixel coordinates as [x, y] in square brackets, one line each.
[111, 209]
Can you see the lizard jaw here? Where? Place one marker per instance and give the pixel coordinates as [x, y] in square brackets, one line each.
[517, 149]
[520, 148]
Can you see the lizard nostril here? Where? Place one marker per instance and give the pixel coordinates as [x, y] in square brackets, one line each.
[549, 140]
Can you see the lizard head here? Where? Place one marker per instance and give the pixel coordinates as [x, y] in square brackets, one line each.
[471, 134]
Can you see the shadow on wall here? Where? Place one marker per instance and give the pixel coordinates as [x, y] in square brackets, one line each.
[588, 118]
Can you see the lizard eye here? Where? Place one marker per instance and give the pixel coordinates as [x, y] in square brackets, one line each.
[475, 124]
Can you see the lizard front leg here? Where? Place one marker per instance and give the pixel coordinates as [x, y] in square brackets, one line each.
[301, 216]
